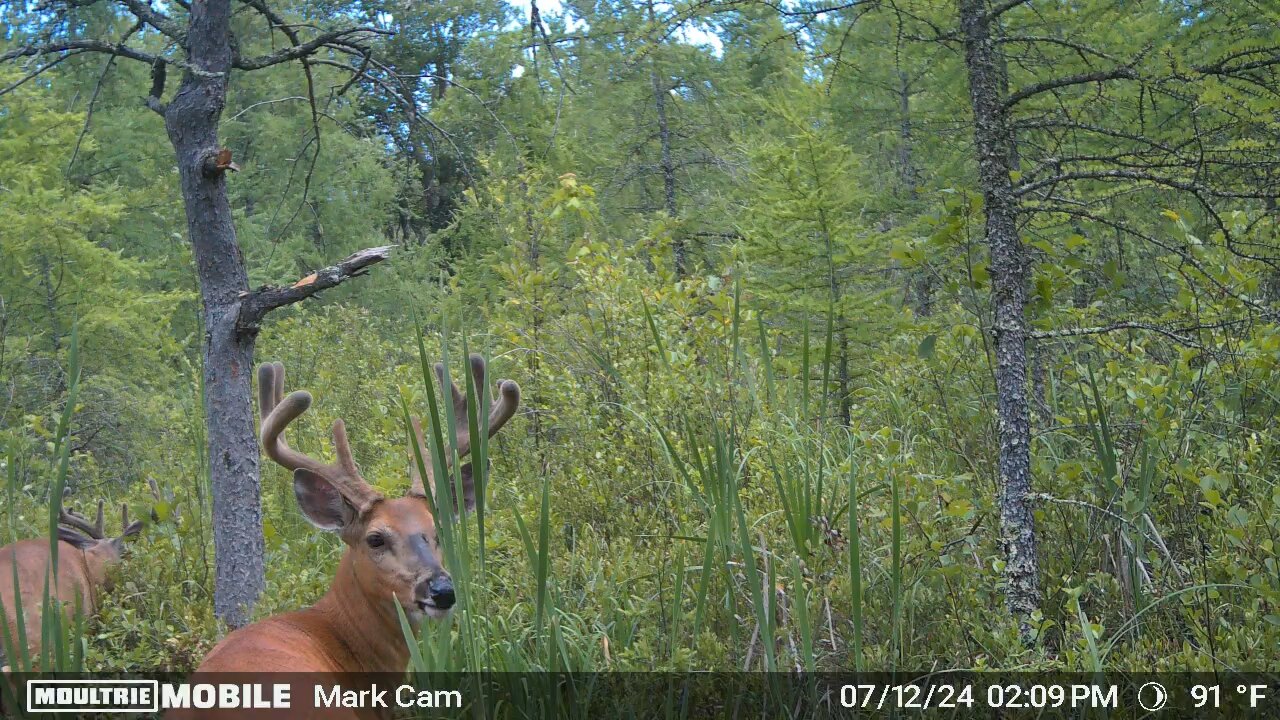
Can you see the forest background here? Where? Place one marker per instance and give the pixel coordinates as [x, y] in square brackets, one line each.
[889, 333]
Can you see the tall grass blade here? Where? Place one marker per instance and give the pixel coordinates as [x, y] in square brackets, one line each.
[22, 656]
[855, 562]
[653, 331]
[766, 359]
[478, 426]
[896, 569]
[1090, 639]
[704, 583]
[800, 608]
[1103, 441]
[756, 582]
[542, 569]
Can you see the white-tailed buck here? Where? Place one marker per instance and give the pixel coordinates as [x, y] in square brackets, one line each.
[393, 554]
[85, 558]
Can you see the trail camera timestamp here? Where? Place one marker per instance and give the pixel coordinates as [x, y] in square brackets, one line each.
[966, 696]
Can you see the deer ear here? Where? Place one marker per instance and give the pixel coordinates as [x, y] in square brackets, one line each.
[468, 503]
[320, 501]
[75, 539]
[468, 488]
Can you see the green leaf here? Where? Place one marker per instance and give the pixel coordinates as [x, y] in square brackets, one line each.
[926, 348]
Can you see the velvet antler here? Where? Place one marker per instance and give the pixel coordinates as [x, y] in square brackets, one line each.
[499, 412]
[278, 411]
[73, 519]
[76, 529]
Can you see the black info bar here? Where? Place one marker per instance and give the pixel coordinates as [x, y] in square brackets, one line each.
[648, 695]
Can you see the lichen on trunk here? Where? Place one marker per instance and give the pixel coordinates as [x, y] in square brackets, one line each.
[993, 145]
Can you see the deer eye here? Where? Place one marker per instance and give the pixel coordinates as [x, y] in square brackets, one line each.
[376, 540]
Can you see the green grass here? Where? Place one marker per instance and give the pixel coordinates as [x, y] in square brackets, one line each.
[63, 641]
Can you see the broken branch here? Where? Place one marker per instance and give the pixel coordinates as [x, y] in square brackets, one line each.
[256, 304]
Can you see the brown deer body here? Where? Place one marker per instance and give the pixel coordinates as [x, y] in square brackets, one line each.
[392, 558]
[85, 559]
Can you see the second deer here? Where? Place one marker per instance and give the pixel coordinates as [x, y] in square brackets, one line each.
[85, 559]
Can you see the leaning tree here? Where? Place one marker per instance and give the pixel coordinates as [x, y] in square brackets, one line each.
[196, 40]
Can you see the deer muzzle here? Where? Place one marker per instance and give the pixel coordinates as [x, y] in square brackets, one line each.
[435, 595]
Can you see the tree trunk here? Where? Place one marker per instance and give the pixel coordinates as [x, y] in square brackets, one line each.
[664, 136]
[906, 168]
[191, 120]
[668, 165]
[55, 333]
[919, 280]
[994, 148]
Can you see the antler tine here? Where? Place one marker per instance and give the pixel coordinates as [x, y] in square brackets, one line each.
[278, 411]
[266, 389]
[499, 412]
[99, 525]
[277, 369]
[505, 407]
[75, 520]
[343, 449]
[345, 475]
[459, 400]
[501, 409]
[127, 528]
[154, 487]
[415, 477]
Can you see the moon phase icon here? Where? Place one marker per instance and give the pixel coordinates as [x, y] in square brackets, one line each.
[1152, 696]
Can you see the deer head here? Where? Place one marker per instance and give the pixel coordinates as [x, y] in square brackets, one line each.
[100, 552]
[392, 542]
[75, 529]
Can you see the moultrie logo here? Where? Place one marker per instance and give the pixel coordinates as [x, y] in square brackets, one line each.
[100, 696]
[142, 696]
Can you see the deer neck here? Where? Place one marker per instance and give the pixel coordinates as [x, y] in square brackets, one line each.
[368, 626]
[98, 561]
[87, 574]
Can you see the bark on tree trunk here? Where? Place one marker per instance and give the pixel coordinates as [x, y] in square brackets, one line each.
[919, 289]
[994, 149]
[668, 165]
[191, 120]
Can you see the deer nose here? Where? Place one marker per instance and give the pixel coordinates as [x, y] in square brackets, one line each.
[440, 592]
